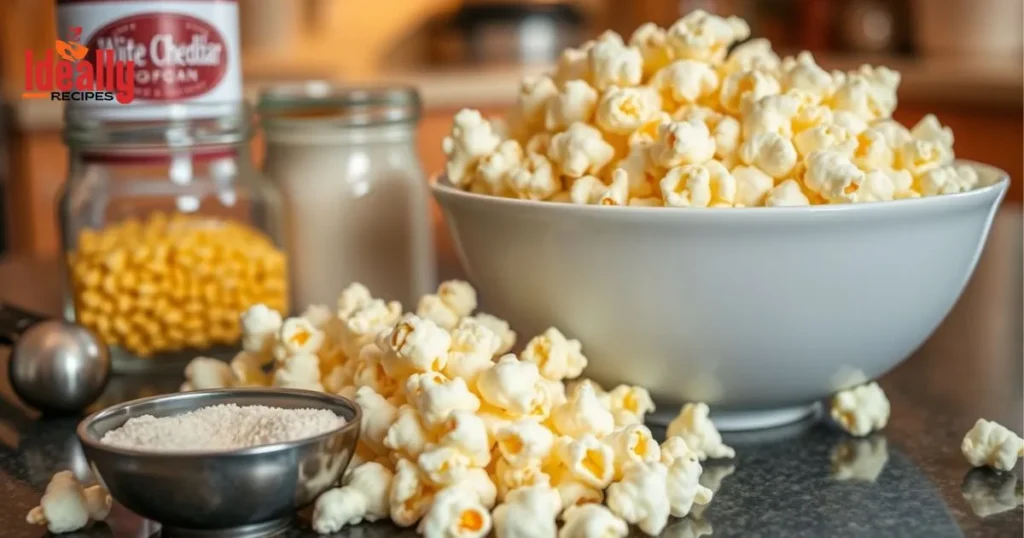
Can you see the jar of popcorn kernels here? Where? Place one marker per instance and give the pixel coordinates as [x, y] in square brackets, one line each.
[169, 233]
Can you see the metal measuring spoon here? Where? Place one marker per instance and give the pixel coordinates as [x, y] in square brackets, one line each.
[55, 366]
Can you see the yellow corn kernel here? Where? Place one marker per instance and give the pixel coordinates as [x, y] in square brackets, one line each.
[109, 284]
[121, 326]
[91, 299]
[123, 303]
[197, 340]
[105, 306]
[87, 318]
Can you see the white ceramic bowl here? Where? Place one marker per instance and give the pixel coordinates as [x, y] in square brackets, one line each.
[760, 312]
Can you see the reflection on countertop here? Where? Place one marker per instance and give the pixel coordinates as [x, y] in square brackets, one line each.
[987, 82]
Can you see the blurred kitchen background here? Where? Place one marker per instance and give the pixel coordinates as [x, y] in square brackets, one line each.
[961, 59]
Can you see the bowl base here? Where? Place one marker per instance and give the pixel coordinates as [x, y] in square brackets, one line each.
[741, 420]
[256, 530]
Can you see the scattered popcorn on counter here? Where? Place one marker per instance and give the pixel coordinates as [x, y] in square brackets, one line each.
[456, 513]
[592, 521]
[861, 410]
[67, 506]
[362, 496]
[695, 428]
[641, 497]
[677, 96]
[990, 444]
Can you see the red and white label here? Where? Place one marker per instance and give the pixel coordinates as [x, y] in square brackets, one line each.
[184, 51]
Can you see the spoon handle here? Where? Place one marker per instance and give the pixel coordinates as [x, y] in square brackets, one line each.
[14, 321]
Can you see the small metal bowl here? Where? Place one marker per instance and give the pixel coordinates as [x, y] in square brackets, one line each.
[237, 493]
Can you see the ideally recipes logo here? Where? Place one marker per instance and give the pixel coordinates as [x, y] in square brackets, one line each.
[69, 76]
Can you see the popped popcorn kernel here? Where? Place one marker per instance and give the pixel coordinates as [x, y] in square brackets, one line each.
[471, 138]
[515, 387]
[612, 63]
[685, 82]
[575, 102]
[682, 142]
[528, 512]
[861, 410]
[622, 111]
[592, 521]
[524, 443]
[629, 404]
[583, 414]
[700, 434]
[990, 444]
[706, 185]
[556, 356]
[640, 497]
[706, 37]
[652, 41]
[456, 513]
[580, 150]
[587, 459]
[633, 443]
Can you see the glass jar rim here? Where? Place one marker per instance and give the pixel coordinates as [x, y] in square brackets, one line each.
[157, 126]
[319, 103]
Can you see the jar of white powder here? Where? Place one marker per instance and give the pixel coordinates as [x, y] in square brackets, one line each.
[356, 199]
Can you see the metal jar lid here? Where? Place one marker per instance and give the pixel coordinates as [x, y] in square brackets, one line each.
[324, 104]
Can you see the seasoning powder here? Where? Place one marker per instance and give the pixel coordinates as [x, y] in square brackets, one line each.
[222, 427]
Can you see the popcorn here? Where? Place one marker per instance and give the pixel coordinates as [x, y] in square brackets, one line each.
[623, 110]
[699, 433]
[640, 497]
[471, 138]
[479, 482]
[467, 433]
[203, 373]
[260, 325]
[682, 142]
[523, 443]
[702, 36]
[592, 521]
[369, 372]
[861, 410]
[459, 296]
[931, 130]
[318, 315]
[509, 478]
[583, 414]
[363, 495]
[742, 88]
[556, 356]
[921, 156]
[587, 190]
[354, 297]
[572, 491]
[456, 513]
[378, 417]
[772, 114]
[683, 480]
[493, 169]
[444, 465]
[877, 186]
[300, 371]
[947, 180]
[414, 345]
[629, 404]
[514, 387]
[630, 444]
[528, 513]
[499, 327]
[752, 186]
[580, 150]
[803, 73]
[707, 185]
[853, 123]
[894, 133]
[472, 348]
[832, 175]
[538, 144]
[436, 401]
[573, 64]
[247, 370]
[555, 390]
[587, 459]
[685, 82]
[612, 63]
[652, 41]
[535, 92]
[641, 174]
[868, 93]
[756, 53]
[575, 102]
[366, 323]
[786, 194]
[873, 152]
[771, 153]
[534, 178]
[298, 336]
[811, 117]
[991, 444]
[411, 494]
[407, 437]
[826, 138]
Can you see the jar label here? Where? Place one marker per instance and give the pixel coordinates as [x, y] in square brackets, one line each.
[183, 51]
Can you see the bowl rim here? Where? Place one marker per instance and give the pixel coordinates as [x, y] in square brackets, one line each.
[443, 189]
[88, 441]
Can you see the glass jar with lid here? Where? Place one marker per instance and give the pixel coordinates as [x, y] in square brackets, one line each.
[357, 203]
[169, 233]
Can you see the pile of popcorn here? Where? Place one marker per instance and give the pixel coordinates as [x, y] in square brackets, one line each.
[460, 437]
[673, 118]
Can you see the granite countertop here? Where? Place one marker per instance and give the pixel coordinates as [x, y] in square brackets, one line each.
[982, 82]
[807, 479]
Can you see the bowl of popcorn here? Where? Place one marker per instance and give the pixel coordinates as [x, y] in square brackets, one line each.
[775, 235]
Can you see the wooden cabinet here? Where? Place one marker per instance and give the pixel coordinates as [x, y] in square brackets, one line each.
[39, 159]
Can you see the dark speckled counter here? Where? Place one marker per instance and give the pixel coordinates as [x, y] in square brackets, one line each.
[802, 480]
